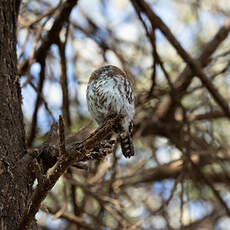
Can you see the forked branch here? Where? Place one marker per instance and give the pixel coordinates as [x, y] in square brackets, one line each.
[68, 155]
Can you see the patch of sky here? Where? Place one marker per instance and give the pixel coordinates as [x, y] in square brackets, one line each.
[167, 12]
[53, 93]
[211, 17]
[48, 221]
[72, 80]
[28, 45]
[21, 38]
[116, 12]
[44, 119]
[210, 23]
[163, 188]
[228, 77]
[77, 15]
[35, 5]
[158, 222]
[137, 70]
[28, 93]
[35, 70]
[69, 52]
[78, 35]
[112, 58]
[28, 97]
[92, 9]
[163, 154]
[150, 164]
[198, 209]
[223, 224]
[138, 211]
[128, 32]
[80, 92]
[105, 228]
[55, 52]
[226, 197]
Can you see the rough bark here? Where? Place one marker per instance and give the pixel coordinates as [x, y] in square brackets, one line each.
[14, 182]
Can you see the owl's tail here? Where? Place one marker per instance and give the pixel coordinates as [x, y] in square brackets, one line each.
[126, 144]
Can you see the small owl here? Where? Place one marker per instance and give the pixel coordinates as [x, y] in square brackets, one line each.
[109, 92]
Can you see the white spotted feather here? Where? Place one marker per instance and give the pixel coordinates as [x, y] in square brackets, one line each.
[110, 92]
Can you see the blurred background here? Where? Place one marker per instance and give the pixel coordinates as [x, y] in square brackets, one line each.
[179, 177]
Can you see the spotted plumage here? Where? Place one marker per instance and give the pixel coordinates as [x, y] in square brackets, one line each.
[110, 92]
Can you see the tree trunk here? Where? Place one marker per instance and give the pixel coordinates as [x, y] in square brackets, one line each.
[15, 184]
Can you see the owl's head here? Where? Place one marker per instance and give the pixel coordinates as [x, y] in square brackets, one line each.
[107, 71]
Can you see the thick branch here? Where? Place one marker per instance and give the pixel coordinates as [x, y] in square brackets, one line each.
[75, 152]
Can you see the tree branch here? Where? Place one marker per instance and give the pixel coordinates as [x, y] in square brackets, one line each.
[33, 127]
[184, 79]
[75, 152]
[194, 65]
[52, 35]
[40, 56]
[64, 82]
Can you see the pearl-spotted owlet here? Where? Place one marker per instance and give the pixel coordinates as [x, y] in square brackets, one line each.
[109, 92]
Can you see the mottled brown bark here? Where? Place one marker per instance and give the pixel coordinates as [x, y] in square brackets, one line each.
[14, 182]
